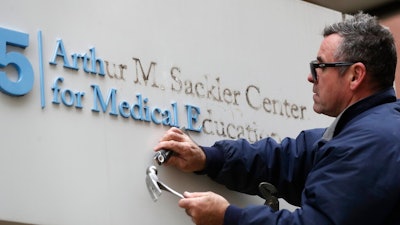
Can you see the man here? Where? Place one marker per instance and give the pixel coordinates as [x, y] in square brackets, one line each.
[347, 174]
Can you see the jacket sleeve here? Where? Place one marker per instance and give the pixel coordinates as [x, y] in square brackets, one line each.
[242, 166]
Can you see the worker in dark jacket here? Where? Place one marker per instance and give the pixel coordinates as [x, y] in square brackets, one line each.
[346, 174]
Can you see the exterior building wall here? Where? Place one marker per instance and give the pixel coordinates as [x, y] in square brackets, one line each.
[393, 22]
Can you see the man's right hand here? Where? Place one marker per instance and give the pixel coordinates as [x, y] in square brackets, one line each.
[188, 156]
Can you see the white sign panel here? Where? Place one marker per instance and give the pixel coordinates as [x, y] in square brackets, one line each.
[89, 87]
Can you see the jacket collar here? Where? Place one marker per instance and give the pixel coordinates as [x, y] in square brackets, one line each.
[357, 108]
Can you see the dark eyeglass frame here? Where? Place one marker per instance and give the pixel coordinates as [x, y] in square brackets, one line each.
[315, 64]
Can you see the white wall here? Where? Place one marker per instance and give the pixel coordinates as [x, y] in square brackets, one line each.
[65, 165]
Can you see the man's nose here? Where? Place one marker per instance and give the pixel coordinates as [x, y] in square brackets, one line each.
[310, 78]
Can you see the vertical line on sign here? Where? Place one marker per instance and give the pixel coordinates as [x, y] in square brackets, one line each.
[41, 72]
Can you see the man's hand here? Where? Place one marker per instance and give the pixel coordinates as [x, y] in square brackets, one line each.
[205, 208]
[188, 156]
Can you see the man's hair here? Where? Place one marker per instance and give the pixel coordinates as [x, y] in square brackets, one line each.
[366, 41]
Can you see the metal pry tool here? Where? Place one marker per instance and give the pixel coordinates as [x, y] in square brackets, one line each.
[162, 156]
[269, 193]
[154, 185]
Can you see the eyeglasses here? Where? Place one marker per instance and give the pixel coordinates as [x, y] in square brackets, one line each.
[315, 64]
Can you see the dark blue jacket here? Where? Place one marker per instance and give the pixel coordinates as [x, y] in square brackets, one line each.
[351, 179]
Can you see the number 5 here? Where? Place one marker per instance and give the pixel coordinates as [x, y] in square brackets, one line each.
[24, 83]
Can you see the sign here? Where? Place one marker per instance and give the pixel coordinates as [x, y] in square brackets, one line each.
[88, 88]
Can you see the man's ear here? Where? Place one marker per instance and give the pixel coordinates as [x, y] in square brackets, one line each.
[358, 75]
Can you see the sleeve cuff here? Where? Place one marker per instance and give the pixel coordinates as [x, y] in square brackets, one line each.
[214, 161]
[232, 215]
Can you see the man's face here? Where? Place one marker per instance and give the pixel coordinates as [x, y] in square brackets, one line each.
[330, 90]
